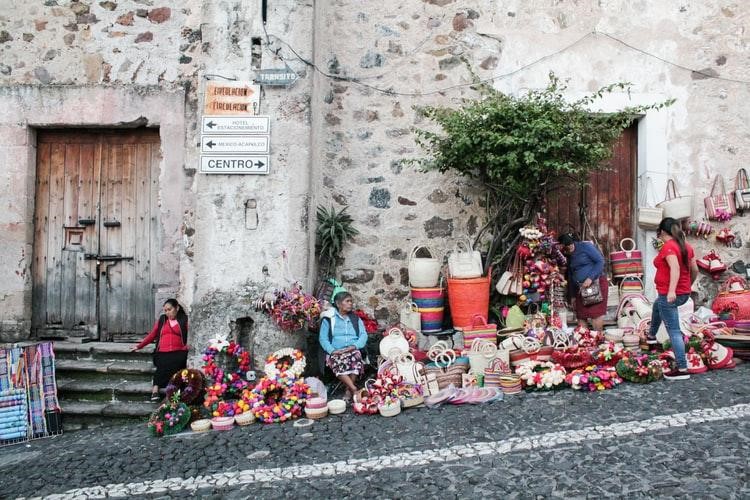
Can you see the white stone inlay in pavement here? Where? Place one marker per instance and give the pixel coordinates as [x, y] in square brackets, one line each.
[416, 457]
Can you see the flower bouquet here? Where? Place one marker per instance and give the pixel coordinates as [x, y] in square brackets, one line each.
[170, 418]
[541, 375]
[608, 354]
[291, 309]
[593, 378]
[225, 365]
[641, 369]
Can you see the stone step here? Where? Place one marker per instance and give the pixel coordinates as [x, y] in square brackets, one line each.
[88, 414]
[84, 389]
[111, 372]
[105, 351]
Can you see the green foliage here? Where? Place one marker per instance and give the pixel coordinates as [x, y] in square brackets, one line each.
[519, 148]
[333, 231]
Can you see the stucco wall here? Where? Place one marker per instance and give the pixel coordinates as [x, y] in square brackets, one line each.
[338, 134]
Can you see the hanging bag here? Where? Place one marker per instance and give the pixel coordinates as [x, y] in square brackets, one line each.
[625, 261]
[742, 190]
[719, 202]
[631, 284]
[648, 216]
[613, 295]
[674, 205]
[464, 261]
[410, 317]
[423, 271]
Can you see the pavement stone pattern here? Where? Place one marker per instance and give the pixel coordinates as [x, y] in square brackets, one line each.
[543, 445]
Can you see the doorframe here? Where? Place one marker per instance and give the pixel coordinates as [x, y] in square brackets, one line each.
[23, 110]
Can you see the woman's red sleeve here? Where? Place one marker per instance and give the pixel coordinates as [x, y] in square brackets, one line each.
[150, 337]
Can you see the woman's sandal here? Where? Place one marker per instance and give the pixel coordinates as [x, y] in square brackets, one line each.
[155, 398]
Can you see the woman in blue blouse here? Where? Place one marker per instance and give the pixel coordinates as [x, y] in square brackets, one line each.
[585, 265]
[342, 335]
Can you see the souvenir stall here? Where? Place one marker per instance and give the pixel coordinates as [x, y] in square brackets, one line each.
[29, 408]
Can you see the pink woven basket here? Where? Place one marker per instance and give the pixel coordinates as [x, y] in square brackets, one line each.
[222, 423]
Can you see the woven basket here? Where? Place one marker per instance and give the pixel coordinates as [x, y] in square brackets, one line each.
[411, 402]
[389, 410]
[222, 423]
[510, 384]
[316, 413]
[201, 425]
[336, 406]
[246, 418]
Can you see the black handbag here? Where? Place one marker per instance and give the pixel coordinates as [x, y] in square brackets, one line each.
[591, 294]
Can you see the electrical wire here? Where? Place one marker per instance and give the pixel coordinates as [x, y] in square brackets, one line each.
[387, 91]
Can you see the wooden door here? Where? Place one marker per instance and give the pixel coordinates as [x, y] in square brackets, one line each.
[95, 228]
[608, 200]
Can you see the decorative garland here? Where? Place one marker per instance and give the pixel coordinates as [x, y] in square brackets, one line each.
[573, 358]
[223, 386]
[170, 418]
[593, 378]
[277, 399]
[285, 361]
[541, 375]
[641, 369]
[188, 384]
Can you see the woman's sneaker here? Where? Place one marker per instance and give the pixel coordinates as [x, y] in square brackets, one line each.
[677, 375]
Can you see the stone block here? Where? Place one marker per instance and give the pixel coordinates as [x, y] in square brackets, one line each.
[159, 15]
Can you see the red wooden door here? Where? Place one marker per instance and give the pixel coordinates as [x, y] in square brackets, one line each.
[95, 233]
[608, 200]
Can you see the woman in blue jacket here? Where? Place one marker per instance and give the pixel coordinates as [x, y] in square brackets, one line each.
[585, 266]
[342, 335]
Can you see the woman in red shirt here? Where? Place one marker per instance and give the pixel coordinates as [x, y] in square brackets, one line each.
[675, 272]
[170, 353]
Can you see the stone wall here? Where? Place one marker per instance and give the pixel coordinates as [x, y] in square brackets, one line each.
[339, 134]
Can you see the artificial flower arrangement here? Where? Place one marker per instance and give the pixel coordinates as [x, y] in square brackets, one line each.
[541, 375]
[541, 258]
[371, 324]
[290, 309]
[277, 399]
[609, 354]
[641, 369]
[593, 378]
[170, 417]
[224, 385]
[285, 360]
[585, 337]
[188, 382]
[386, 385]
[572, 358]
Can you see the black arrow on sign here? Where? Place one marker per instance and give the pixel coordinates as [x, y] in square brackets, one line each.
[210, 144]
[210, 124]
[259, 164]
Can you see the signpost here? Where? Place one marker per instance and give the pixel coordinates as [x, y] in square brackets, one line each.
[283, 77]
[234, 138]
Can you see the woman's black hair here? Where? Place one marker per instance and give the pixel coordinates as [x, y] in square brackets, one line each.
[566, 239]
[672, 227]
[339, 297]
[182, 317]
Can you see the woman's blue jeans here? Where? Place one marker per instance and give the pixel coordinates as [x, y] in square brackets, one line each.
[666, 312]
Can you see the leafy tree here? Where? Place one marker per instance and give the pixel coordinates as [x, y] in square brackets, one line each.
[519, 148]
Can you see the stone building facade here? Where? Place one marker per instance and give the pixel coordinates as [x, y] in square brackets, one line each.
[339, 133]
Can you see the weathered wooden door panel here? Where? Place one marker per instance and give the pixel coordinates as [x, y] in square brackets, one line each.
[608, 200]
[93, 233]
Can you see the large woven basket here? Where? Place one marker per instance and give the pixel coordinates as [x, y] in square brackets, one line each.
[246, 418]
[201, 425]
[390, 410]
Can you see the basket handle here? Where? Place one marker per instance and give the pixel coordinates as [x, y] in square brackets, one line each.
[483, 348]
[633, 247]
[741, 181]
[413, 254]
[713, 186]
[394, 332]
[474, 321]
[463, 246]
[673, 194]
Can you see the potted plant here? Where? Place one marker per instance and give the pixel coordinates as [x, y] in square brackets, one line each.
[333, 230]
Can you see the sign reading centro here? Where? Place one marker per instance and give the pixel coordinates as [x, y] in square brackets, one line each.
[234, 164]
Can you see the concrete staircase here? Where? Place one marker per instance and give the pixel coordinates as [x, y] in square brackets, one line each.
[103, 383]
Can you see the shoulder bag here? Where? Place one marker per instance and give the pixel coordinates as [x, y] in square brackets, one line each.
[719, 202]
[591, 294]
[674, 205]
[464, 261]
[742, 190]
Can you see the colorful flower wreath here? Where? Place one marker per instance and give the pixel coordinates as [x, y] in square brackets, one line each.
[641, 369]
[188, 383]
[170, 418]
[541, 375]
[285, 361]
[277, 399]
[573, 358]
[221, 384]
[593, 378]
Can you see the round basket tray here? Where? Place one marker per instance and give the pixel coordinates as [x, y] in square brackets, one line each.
[222, 423]
[336, 406]
[389, 410]
[316, 413]
[246, 418]
[201, 425]
[411, 402]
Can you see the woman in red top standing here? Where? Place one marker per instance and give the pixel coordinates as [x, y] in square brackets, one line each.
[675, 272]
[170, 354]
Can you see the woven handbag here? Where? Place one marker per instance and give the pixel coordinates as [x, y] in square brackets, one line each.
[648, 216]
[720, 202]
[479, 329]
[464, 261]
[424, 272]
[742, 190]
[410, 317]
[674, 205]
[626, 262]
[631, 284]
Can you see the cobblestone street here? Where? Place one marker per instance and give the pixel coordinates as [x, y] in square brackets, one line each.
[667, 439]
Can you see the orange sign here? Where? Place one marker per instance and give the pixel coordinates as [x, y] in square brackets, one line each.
[231, 98]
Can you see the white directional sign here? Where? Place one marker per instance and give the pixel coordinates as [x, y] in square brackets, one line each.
[251, 144]
[240, 125]
[234, 164]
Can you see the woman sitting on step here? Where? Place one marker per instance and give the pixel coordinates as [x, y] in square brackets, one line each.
[170, 353]
[342, 335]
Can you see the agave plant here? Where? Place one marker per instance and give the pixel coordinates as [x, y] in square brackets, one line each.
[333, 231]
